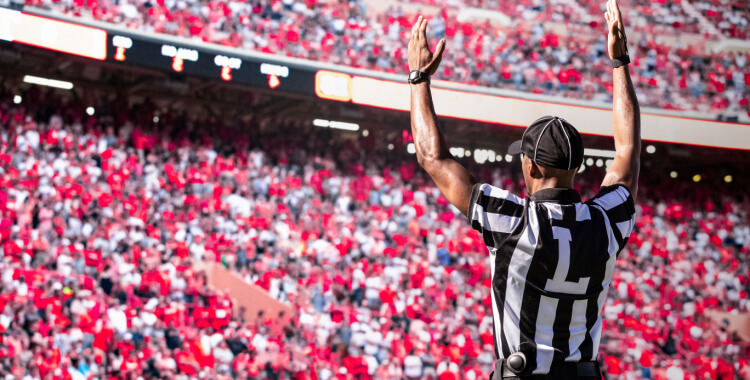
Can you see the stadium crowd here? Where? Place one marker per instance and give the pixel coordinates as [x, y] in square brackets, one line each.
[104, 218]
[527, 55]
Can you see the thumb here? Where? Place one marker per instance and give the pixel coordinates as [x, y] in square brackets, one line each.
[440, 48]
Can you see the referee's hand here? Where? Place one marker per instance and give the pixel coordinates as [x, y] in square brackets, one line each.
[419, 55]
[616, 37]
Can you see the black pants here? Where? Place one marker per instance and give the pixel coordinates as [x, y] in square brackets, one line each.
[561, 371]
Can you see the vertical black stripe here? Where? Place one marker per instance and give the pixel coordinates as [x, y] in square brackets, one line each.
[600, 240]
[503, 257]
[541, 269]
[495, 304]
[502, 261]
[561, 330]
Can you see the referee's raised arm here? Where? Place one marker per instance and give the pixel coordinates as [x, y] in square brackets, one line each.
[453, 180]
[626, 112]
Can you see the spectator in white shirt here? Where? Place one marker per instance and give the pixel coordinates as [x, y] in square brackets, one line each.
[412, 366]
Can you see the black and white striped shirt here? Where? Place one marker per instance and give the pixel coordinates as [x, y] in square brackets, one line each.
[552, 260]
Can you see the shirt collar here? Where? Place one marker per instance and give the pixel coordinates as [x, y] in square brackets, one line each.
[557, 195]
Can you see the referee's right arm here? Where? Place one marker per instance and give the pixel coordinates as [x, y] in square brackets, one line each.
[625, 110]
[453, 180]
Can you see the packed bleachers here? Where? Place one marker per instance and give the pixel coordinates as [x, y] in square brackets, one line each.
[664, 16]
[729, 17]
[105, 216]
[527, 55]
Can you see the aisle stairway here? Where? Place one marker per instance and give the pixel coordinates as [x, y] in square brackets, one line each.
[704, 24]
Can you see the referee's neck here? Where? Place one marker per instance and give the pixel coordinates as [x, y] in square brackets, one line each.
[539, 177]
[537, 184]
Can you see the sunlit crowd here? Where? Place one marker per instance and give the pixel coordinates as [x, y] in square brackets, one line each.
[105, 216]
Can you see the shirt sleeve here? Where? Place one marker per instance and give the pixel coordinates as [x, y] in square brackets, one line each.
[494, 213]
[619, 206]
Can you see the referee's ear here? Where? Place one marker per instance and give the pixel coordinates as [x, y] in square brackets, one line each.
[533, 169]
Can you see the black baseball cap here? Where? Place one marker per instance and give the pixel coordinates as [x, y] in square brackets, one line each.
[551, 141]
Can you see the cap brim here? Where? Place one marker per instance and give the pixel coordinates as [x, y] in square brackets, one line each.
[515, 148]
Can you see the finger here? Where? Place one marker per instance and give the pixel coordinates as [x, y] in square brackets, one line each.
[439, 49]
[423, 30]
[418, 28]
[618, 14]
[609, 22]
[616, 8]
[415, 28]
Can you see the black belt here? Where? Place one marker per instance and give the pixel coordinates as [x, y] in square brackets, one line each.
[514, 368]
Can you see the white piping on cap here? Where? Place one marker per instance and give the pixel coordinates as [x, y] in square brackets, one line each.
[540, 138]
[570, 150]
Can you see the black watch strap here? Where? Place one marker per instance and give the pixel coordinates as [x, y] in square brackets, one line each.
[620, 61]
[416, 76]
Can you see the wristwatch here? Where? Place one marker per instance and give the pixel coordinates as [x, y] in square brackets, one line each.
[416, 76]
[620, 61]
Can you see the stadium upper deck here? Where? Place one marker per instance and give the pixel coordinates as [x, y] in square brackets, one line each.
[542, 47]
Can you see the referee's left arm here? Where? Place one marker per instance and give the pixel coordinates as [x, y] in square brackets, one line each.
[453, 180]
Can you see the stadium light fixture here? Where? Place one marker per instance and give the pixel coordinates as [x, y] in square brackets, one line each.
[590, 161]
[728, 178]
[599, 163]
[411, 149]
[336, 125]
[90, 111]
[650, 149]
[481, 156]
[599, 153]
[508, 158]
[673, 174]
[365, 133]
[390, 147]
[156, 119]
[608, 163]
[697, 178]
[48, 82]
[344, 126]
[457, 151]
[321, 123]
[17, 99]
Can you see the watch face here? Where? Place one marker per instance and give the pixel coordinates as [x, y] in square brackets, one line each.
[414, 75]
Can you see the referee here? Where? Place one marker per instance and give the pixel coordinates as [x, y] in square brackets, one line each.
[552, 255]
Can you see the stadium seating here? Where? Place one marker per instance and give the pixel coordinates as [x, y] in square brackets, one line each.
[729, 17]
[105, 216]
[529, 55]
